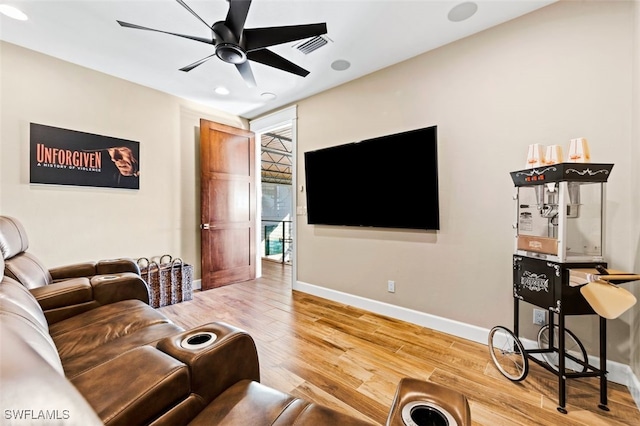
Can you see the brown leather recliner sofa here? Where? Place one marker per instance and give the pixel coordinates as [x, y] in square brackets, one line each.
[124, 363]
[68, 290]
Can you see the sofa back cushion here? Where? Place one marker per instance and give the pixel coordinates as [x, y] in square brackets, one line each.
[21, 314]
[27, 270]
[32, 336]
[34, 392]
[13, 237]
[20, 265]
[16, 298]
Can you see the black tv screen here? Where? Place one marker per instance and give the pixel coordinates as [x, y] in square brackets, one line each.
[385, 182]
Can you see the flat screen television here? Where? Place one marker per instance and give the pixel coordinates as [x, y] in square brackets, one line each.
[385, 182]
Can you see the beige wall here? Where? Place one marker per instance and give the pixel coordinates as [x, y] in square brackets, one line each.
[67, 224]
[562, 72]
[635, 188]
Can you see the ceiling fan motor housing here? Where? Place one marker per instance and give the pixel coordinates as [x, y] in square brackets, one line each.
[231, 53]
[227, 47]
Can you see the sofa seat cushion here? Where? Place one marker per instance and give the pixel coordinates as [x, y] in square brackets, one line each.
[251, 403]
[73, 366]
[89, 330]
[136, 387]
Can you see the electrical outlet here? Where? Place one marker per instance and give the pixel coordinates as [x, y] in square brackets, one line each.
[539, 317]
[391, 286]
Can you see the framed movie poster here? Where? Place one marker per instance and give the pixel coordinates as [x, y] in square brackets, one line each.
[68, 157]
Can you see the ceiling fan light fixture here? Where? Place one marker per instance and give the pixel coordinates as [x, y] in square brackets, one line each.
[13, 12]
[221, 90]
[462, 11]
[268, 96]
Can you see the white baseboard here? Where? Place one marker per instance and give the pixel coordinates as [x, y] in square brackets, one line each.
[196, 284]
[617, 372]
[456, 328]
[634, 387]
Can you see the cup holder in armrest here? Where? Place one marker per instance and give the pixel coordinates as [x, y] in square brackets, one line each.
[198, 340]
[423, 413]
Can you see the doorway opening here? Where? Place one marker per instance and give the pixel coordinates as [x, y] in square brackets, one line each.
[276, 171]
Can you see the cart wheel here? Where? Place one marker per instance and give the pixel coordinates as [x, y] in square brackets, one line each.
[572, 346]
[508, 354]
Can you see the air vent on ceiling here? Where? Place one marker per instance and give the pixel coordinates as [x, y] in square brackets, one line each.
[312, 44]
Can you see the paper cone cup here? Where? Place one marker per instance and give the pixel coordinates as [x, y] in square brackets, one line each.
[579, 151]
[553, 155]
[535, 156]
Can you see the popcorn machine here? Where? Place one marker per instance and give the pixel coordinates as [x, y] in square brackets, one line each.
[558, 253]
[560, 211]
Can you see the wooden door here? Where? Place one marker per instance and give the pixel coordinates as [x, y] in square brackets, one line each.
[228, 204]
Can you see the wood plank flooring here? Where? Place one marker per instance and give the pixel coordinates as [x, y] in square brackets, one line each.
[352, 360]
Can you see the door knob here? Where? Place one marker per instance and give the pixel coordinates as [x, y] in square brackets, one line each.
[205, 226]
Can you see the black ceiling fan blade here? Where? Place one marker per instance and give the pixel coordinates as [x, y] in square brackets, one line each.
[196, 63]
[139, 27]
[258, 38]
[274, 60]
[183, 4]
[246, 73]
[237, 15]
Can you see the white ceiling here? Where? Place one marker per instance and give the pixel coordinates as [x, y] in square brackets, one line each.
[370, 34]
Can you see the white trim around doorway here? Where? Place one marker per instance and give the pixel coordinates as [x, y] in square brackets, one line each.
[278, 119]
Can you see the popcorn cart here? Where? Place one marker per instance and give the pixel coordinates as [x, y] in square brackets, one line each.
[558, 257]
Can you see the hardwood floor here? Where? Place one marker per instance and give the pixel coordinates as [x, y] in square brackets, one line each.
[352, 360]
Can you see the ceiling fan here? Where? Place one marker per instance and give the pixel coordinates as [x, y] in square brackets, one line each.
[236, 45]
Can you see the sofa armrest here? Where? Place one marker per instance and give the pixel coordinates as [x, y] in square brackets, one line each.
[218, 364]
[136, 387]
[64, 299]
[117, 266]
[64, 293]
[86, 269]
[419, 398]
[116, 287]
[89, 269]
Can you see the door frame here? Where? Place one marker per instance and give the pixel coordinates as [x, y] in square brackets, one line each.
[284, 117]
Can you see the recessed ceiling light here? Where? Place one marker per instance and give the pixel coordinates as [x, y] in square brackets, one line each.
[221, 90]
[340, 65]
[268, 96]
[462, 11]
[13, 12]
